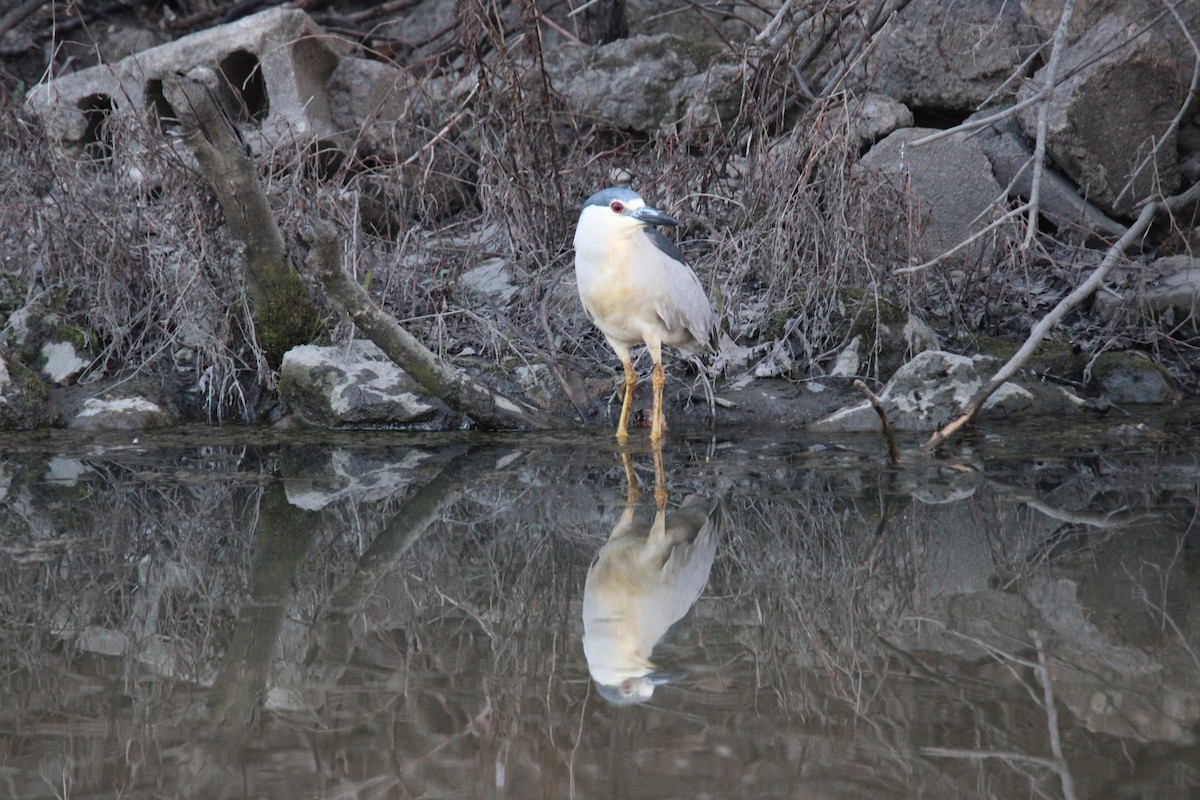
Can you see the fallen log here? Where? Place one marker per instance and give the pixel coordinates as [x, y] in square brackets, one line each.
[489, 409]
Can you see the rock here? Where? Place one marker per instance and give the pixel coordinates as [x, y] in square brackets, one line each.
[929, 58]
[1109, 108]
[1165, 292]
[275, 64]
[919, 337]
[538, 384]
[647, 83]
[935, 387]
[120, 414]
[875, 116]
[353, 385]
[492, 280]
[1131, 378]
[951, 181]
[849, 360]
[61, 363]
[1151, 14]
[376, 103]
[330, 475]
[23, 397]
[43, 338]
[1059, 200]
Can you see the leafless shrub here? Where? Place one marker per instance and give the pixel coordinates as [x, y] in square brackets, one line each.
[130, 247]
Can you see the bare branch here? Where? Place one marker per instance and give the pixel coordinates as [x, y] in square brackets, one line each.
[1060, 762]
[489, 409]
[888, 434]
[1039, 149]
[1149, 212]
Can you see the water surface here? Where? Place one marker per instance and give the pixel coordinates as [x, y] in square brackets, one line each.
[226, 613]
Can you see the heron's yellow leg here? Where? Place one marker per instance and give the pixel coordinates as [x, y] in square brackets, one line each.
[632, 495]
[627, 401]
[658, 424]
[660, 479]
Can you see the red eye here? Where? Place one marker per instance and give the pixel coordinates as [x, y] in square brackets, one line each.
[617, 207]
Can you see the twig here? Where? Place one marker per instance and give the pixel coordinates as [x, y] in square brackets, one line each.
[444, 131]
[559, 29]
[1039, 149]
[1007, 755]
[983, 122]
[1060, 763]
[1149, 212]
[888, 434]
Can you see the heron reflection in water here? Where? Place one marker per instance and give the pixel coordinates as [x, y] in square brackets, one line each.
[644, 579]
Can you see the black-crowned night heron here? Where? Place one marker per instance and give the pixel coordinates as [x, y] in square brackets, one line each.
[638, 288]
[643, 581]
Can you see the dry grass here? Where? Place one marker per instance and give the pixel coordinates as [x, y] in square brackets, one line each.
[795, 243]
[497, 170]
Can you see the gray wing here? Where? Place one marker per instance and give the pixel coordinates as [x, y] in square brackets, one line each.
[685, 306]
[690, 562]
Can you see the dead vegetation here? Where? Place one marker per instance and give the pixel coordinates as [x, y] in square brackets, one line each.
[798, 246]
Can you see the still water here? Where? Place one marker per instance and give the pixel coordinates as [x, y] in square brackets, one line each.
[223, 613]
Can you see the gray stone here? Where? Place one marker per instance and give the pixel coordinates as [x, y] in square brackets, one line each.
[932, 57]
[1108, 111]
[23, 397]
[352, 385]
[1150, 14]
[1131, 378]
[492, 280]
[372, 102]
[1059, 201]
[276, 63]
[951, 181]
[648, 83]
[934, 388]
[120, 414]
[1166, 291]
[61, 363]
[876, 115]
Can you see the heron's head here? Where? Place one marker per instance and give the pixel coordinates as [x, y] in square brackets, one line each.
[622, 675]
[617, 212]
[635, 690]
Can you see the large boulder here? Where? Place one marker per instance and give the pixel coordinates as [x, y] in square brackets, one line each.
[1118, 92]
[132, 413]
[928, 57]
[353, 385]
[1131, 378]
[648, 83]
[951, 181]
[934, 388]
[1059, 200]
